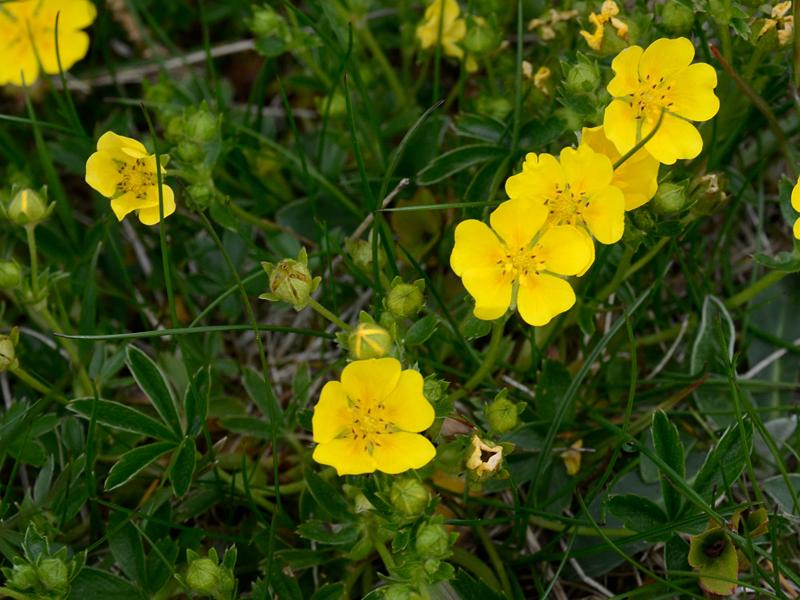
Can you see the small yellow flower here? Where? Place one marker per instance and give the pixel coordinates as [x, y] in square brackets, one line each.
[781, 21]
[123, 171]
[796, 206]
[28, 37]
[575, 189]
[540, 79]
[484, 459]
[453, 29]
[637, 177]
[519, 257]
[660, 78]
[546, 25]
[369, 420]
[608, 14]
[572, 458]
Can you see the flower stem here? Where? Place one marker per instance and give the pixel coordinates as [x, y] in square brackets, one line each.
[30, 233]
[37, 385]
[384, 553]
[755, 288]
[328, 315]
[69, 347]
[488, 362]
[640, 144]
[375, 49]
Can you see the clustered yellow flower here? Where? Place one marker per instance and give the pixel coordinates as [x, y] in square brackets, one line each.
[558, 206]
[608, 14]
[442, 24]
[546, 25]
[371, 419]
[28, 37]
[125, 172]
[781, 21]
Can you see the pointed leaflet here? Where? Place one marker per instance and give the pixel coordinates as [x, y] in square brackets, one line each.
[667, 443]
[134, 461]
[181, 470]
[153, 383]
[724, 462]
[119, 416]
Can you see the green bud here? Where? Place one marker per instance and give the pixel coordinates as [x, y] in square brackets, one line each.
[175, 128]
[406, 299]
[202, 126]
[204, 576]
[409, 497]
[190, 151]
[498, 107]
[201, 195]
[643, 218]
[53, 574]
[369, 340]
[399, 591]
[10, 275]
[290, 281]
[29, 208]
[670, 198]
[23, 577]
[583, 77]
[360, 252]
[267, 22]
[502, 415]
[677, 18]
[433, 541]
[481, 36]
[8, 350]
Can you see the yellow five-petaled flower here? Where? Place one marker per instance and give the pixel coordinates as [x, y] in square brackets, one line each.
[660, 81]
[442, 18]
[371, 418]
[796, 206]
[517, 257]
[125, 172]
[28, 37]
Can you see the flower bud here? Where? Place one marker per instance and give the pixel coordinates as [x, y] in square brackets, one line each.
[290, 281]
[369, 340]
[677, 18]
[23, 577]
[481, 36]
[483, 460]
[204, 576]
[433, 541]
[399, 591]
[406, 299]
[8, 350]
[502, 415]
[190, 151]
[360, 252]
[53, 574]
[583, 77]
[409, 497]
[643, 218]
[28, 208]
[670, 198]
[201, 195]
[10, 275]
[202, 126]
[266, 21]
[709, 194]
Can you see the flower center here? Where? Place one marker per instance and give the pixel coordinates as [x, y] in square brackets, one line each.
[368, 421]
[521, 263]
[565, 206]
[651, 97]
[136, 177]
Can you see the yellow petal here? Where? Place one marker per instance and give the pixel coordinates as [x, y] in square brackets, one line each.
[796, 229]
[127, 203]
[675, 139]
[401, 451]
[491, 289]
[619, 124]
[151, 214]
[332, 414]
[74, 14]
[21, 67]
[586, 170]
[566, 250]
[626, 72]
[517, 222]
[692, 93]
[371, 379]
[112, 142]
[476, 247]
[72, 46]
[605, 215]
[347, 455]
[664, 57]
[542, 297]
[796, 195]
[406, 406]
[102, 173]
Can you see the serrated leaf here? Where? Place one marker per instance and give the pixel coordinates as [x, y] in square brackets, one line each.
[181, 470]
[724, 462]
[455, 161]
[637, 512]
[122, 417]
[668, 447]
[133, 461]
[152, 382]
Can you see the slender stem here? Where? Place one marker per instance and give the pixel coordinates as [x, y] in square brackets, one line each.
[31, 234]
[486, 366]
[328, 315]
[377, 53]
[68, 346]
[37, 385]
[384, 553]
[641, 143]
[437, 64]
[497, 563]
[755, 288]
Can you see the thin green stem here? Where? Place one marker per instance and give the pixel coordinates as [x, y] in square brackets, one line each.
[641, 143]
[31, 235]
[497, 563]
[755, 288]
[35, 384]
[68, 346]
[518, 83]
[370, 42]
[384, 553]
[328, 315]
[487, 364]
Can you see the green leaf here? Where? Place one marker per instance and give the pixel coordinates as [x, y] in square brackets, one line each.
[668, 447]
[126, 547]
[181, 470]
[472, 589]
[254, 427]
[783, 261]
[134, 461]
[331, 534]
[119, 416]
[195, 402]
[637, 512]
[724, 462]
[94, 584]
[554, 381]
[480, 127]
[421, 331]
[254, 385]
[473, 328]
[327, 496]
[153, 383]
[330, 591]
[712, 351]
[455, 161]
[777, 488]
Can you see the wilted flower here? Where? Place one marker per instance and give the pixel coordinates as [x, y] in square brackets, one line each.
[484, 459]
[781, 22]
[125, 172]
[572, 458]
[28, 37]
[8, 350]
[546, 25]
[608, 14]
[369, 420]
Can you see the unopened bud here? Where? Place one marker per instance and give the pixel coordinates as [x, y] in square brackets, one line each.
[583, 77]
[643, 219]
[369, 340]
[670, 198]
[10, 275]
[502, 415]
[204, 576]
[677, 18]
[405, 299]
[53, 574]
[409, 497]
[399, 591]
[360, 252]
[433, 541]
[290, 281]
[29, 208]
[8, 350]
[202, 126]
[23, 577]
[481, 36]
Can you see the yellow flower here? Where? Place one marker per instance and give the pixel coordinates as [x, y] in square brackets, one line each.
[637, 177]
[518, 257]
[369, 420]
[661, 78]
[484, 459]
[608, 14]
[796, 206]
[28, 37]
[123, 171]
[540, 79]
[453, 29]
[780, 21]
[572, 458]
[576, 189]
[546, 24]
